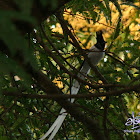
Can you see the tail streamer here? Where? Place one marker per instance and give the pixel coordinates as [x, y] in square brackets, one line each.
[74, 90]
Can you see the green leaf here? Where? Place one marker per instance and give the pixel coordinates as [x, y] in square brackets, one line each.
[108, 9]
[66, 37]
[117, 6]
[107, 13]
[93, 15]
[130, 4]
[117, 31]
[18, 123]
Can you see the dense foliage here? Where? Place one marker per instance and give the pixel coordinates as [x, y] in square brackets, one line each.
[41, 54]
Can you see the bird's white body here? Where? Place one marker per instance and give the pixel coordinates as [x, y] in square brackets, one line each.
[95, 55]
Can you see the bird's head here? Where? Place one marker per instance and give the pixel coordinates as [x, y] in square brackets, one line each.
[100, 40]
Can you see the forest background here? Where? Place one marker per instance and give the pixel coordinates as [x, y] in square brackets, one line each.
[43, 45]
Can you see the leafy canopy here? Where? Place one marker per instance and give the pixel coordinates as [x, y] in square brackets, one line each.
[30, 46]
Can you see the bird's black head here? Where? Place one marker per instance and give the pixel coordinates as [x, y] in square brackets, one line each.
[100, 41]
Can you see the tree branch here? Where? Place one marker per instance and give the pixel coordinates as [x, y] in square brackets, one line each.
[54, 95]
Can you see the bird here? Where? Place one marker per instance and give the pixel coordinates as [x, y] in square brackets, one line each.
[96, 53]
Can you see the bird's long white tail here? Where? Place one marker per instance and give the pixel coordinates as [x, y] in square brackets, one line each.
[74, 90]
